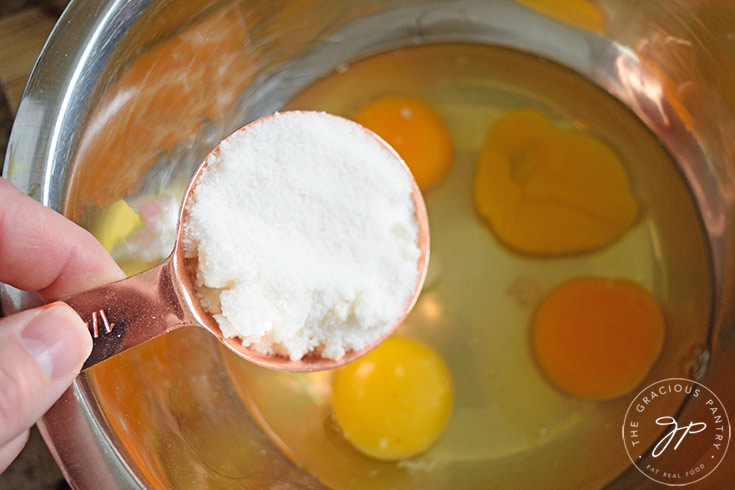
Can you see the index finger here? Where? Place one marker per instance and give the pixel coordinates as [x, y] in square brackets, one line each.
[41, 250]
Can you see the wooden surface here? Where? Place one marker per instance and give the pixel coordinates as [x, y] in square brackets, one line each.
[22, 35]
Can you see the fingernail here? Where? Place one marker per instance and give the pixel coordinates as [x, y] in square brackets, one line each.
[58, 340]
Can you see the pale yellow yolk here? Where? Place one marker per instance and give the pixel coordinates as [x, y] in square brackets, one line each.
[415, 130]
[598, 338]
[394, 402]
[549, 190]
[117, 222]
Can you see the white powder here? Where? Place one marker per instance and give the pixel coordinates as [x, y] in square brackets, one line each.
[304, 230]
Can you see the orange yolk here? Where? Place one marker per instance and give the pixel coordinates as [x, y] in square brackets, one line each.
[598, 338]
[549, 190]
[579, 13]
[394, 402]
[415, 130]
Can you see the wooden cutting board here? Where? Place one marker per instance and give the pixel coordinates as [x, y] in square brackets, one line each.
[22, 35]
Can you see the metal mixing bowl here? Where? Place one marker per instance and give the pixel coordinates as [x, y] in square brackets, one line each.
[130, 95]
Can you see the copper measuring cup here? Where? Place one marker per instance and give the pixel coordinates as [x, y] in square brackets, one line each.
[134, 310]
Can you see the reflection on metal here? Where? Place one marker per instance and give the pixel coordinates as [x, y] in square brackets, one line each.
[285, 46]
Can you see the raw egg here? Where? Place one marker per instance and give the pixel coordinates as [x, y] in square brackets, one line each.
[550, 190]
[416, 131]
[578, 13]
[394, 402]
[116, 223]
[598, 338]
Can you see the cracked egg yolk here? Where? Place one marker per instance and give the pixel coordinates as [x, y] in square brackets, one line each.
[415, 130]
[394, 402]
[550, 190]
[598, 338]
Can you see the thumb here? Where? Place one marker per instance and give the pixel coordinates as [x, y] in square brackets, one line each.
[41, 351]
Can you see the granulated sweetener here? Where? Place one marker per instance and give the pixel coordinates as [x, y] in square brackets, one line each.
[304, 235]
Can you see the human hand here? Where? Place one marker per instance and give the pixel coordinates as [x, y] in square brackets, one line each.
[42, 349]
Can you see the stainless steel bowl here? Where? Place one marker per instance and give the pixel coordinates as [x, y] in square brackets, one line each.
[129, 95]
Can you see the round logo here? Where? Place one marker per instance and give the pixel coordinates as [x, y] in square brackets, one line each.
[675, 448]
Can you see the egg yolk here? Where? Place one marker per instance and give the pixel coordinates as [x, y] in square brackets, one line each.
[579, 13]
[549, 190]
[597, 338]
[116, 223]
[394, 402]
[415, 130]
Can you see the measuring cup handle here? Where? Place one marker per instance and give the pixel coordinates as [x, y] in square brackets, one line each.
[129, 312]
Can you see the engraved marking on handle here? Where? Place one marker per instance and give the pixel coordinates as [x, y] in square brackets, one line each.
[95, 327]
[107, 324]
